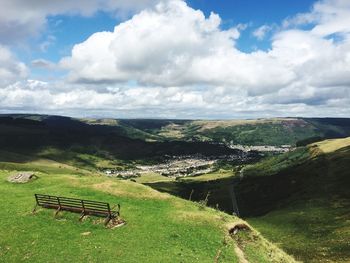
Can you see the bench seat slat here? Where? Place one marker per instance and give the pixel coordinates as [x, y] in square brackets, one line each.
[81, 209]
[47, 199]
[98, 210]
[47, 203]
[78, 205]
[62, 204]
[98, 206]
[78, 209]
[79, 200]
[68, 199]
[70, 202]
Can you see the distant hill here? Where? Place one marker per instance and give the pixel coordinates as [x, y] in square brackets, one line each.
[274, 131]
[66, 139]
[101, 143]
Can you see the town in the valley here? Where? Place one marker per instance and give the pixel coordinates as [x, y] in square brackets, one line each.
[194, 165]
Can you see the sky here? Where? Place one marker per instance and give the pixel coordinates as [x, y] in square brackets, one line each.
[195, 59]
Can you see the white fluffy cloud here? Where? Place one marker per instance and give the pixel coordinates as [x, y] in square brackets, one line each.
[158, 46]
[23, 18]
[174, 45]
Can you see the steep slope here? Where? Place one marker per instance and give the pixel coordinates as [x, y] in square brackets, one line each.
[304, 200]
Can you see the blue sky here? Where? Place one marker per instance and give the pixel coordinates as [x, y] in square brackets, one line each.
[176, 59]
[259, 12]
[254, 13]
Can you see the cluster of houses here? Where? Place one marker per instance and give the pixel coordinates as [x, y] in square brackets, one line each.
[180, 167]
[261, 148]
[175, 167]
[192, 165]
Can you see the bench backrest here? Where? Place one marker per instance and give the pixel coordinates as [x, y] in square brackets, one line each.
[73, 204]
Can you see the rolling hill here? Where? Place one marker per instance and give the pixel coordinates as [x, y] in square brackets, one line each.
[84, 144]
[274, 131]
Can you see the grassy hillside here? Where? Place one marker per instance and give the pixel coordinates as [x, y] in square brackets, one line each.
[275, 131]
[263, 132]
[329, 146]
[160, 227]
[306, 203]
[299, 200]
[279, 131]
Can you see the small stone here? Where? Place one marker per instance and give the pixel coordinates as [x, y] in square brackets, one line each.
[85, 233]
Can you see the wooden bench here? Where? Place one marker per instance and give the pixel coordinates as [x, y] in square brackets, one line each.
[84, 207]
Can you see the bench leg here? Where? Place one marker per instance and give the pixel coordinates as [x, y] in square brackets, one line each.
[59, 209]
[82, 216]
[107, 220]
[36, 205]
[118, 212]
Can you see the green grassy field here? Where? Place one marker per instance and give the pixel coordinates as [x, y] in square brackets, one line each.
[160, 227]
[152, 177]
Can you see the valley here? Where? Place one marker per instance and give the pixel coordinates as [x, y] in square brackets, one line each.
[174, 131]
[292, 187]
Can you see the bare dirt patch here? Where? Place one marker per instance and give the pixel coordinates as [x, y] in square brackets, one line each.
[21, 178]
[238, 227]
